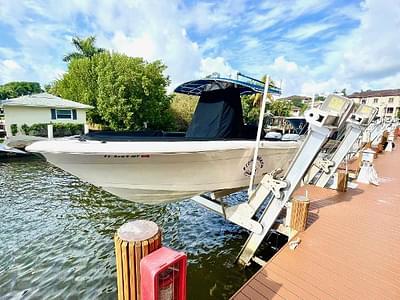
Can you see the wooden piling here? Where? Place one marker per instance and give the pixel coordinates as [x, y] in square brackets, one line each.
[342, 181]
[299, 215]
[385, 136]
[133, 241]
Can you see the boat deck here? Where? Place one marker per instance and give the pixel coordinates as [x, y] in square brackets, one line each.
[350, 249]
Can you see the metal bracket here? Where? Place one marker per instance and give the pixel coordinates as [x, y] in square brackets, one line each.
[276, 186]
[242, 214]
[324, 164]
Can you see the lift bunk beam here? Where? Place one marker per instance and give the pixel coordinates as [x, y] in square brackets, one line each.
[323, 169]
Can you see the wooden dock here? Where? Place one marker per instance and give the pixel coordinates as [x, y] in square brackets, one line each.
[350, 249]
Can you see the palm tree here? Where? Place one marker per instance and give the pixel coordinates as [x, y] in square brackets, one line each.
[85, 47]
[257, 98]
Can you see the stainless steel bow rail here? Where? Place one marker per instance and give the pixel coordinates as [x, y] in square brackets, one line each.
[323, 169]
[266, 202]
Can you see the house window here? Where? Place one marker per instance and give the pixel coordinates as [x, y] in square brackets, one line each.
[375, 100]
[363, 101]
[63, 114]
[389, 110]
[390, 100]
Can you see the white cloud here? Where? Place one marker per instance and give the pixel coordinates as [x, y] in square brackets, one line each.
[149, 29]
[372, 50]
[207, 16]
[275, 12]
[10, 69]
[218, 64]
[308, 30]
[365, 58]
[207, 37]
[143, 46]
[281, 64]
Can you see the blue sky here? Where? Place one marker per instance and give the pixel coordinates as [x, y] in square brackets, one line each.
[312, 46]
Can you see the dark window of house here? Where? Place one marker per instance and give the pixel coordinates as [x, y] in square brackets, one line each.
[389, 110]
[64, 114]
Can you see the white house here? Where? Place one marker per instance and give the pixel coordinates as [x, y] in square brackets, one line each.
[2, 126]
[386, 101]
[42, 108]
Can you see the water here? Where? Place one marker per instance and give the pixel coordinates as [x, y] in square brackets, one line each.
[56, 237]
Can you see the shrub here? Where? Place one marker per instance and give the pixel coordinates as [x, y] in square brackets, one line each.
[59, 129]
[182, 109]
[14, 129]
[66, 129]
[39, 129]
[25, 129]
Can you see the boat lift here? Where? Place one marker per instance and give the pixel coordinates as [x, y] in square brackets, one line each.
[323, 169]
[265, 203]
[373, 131]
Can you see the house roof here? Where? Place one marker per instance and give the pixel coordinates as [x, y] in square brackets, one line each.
[296, 97]
[44, 100]
[381, 93]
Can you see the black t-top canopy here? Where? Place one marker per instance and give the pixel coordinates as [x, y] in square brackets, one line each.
[196, 87]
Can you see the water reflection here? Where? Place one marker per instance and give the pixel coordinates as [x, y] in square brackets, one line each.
[56, 237]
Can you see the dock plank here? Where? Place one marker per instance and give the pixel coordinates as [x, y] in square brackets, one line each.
[349, 249]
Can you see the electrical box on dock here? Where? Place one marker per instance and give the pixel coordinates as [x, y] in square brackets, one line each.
[163, 275]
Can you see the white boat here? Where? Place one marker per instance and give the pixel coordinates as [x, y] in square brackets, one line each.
[153, 172]
[216, 153]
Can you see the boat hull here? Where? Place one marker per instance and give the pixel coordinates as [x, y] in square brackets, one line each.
[165, 176]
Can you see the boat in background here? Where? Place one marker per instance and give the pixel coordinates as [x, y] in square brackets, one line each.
[216, 153]
[298, 124]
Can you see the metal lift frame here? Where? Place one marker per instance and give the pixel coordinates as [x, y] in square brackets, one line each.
[323, 169]
[272, 194]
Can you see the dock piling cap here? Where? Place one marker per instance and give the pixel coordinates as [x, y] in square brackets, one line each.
[137, 230]
[301, 198]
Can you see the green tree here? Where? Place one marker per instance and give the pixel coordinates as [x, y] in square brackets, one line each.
[281, 108]
[251, 105]
[127, 93]
[132, 93]
[251, 112]
[85, 48]
[19, 88]
[80, 84]
[182, 109]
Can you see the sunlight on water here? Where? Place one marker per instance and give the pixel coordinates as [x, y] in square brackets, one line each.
[56, 237]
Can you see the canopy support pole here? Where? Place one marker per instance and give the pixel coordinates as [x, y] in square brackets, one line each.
[259, 130]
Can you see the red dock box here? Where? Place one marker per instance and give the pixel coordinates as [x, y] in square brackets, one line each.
[163, 275]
